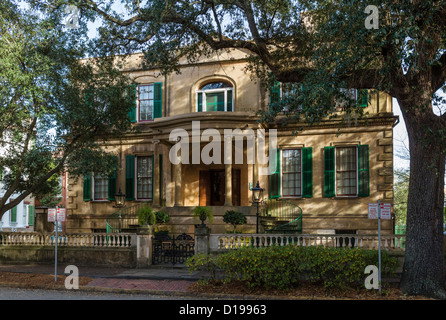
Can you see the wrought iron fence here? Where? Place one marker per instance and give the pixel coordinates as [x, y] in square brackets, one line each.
[172, 249]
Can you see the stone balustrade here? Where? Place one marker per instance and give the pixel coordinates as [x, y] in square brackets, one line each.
[116, 240]
[220, 242]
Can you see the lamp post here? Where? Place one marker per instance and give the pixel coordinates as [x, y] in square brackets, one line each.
[119, 199]
[257, 193]
[119, 203]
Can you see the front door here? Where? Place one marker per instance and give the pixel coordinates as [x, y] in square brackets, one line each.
[212, 188]
[217, 187]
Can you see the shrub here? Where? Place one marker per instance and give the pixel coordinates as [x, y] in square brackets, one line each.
[203, 213]
[282, 267]
[162, 217]
[235, 218]
[146, 216]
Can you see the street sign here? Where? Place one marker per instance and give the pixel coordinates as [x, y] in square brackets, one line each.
[379, 211]
[51, 215]
[385, 209]
[60, 215]
[373, 211]
[56, 215]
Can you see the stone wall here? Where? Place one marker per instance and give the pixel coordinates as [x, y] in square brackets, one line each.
[106, 257]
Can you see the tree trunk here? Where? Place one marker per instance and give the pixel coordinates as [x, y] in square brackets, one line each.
[423, 270]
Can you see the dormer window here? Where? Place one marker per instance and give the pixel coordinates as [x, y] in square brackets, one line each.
[215, 96]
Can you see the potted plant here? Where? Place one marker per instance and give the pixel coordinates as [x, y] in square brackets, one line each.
[203, 213]
[235, 218]
[161, 219]
[146, 219]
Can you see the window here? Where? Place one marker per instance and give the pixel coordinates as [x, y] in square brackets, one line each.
[144, 181]
[215, 96]
[138, 177]
[291, 173]
[146, 101]
[346, 171]
[285, 91]
[100, 187]
[360, 96]
[13, 214]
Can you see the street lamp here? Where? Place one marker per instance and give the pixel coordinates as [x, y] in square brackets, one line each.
[257, 193]
[119, 199]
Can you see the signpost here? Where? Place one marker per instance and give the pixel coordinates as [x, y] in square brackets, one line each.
[379, 211]
[56, 215]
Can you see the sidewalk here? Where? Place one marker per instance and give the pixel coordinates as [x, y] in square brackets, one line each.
[153, 279]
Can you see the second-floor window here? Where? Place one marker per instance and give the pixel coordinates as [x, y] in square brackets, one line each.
[215, 96]
[145, 102]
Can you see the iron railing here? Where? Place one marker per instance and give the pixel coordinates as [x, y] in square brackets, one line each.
[281, 216]
[125, 219]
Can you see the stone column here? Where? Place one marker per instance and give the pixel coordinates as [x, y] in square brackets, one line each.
[144, 247]
[202, 239]
[228, 171]
[178, 199]
[228, 185]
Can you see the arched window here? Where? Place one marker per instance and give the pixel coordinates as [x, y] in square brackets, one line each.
[215, 96]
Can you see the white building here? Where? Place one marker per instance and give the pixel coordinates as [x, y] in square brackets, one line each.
[19, 218]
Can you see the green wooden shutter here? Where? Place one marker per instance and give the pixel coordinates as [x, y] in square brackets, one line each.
[130, 177]
[112, 183]
[199, 101]
[329, 172]
[157, 100]
[87, 187]
[160, 179]
[274, 93]
[363, 171]
[229, 100]
[131, 96]
[363, 98]
[14, 214]
[307, 172]
[275, 177]
[31, 215]
[153, 174]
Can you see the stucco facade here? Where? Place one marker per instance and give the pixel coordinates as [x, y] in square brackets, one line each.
[182, 102]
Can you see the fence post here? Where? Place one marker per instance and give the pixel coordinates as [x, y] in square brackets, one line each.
[144, 247]
[202, 234]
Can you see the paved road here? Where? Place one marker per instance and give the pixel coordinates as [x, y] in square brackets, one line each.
[39, 294]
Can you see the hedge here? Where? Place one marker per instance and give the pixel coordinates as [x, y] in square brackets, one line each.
[282, 267]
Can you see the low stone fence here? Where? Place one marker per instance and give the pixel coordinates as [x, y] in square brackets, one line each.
[116, 240]
[136, 250]
[221, 242]
[94, 249]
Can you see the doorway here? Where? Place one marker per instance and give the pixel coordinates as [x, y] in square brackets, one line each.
[212, 187]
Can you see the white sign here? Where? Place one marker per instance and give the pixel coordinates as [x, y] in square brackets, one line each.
[373, 211]
[51, 215]
[60, 215]
[385, 211]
